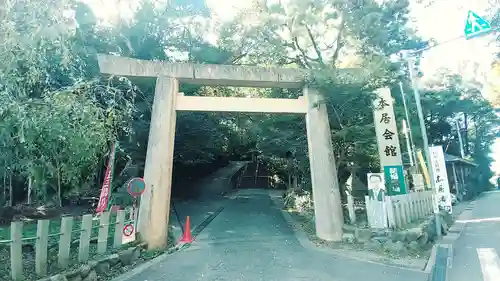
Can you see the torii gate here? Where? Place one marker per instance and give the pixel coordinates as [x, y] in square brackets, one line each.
[155, 201]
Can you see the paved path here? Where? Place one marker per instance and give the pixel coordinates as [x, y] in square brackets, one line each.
[250, 240]
[210, 190]
[459, 208]
[476, 251]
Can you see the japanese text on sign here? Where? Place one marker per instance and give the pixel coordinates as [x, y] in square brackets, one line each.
[438, 165]
[386, 129]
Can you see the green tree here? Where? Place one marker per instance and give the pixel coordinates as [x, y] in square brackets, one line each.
[54, 101]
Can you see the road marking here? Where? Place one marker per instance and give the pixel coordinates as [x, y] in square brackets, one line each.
[490, 264]
[495, 219]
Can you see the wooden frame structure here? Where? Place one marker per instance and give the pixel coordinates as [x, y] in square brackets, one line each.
[155, 202]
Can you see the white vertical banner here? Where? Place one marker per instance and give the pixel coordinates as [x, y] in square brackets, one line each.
[389, 148]
[386, 129]
[438, 166]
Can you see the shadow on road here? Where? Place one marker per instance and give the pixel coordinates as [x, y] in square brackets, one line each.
[250, 240]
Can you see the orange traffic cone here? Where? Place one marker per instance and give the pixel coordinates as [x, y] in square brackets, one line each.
[187, 238]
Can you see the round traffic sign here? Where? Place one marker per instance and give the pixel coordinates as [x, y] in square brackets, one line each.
[128, 230]
[136, 187]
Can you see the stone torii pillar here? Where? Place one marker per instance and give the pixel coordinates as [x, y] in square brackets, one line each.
[155, 202]
[325, 185]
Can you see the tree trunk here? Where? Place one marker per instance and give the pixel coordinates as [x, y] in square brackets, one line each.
[29, 189]
[59, 197]
[4, 186]
[11, 190]
[466, 134]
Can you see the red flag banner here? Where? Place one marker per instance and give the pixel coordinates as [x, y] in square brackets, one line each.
[106, 185]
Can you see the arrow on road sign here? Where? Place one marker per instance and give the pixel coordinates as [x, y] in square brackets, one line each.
[475, 25]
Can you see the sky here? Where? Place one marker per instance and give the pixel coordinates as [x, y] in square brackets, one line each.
[428, 20]
[430, 23]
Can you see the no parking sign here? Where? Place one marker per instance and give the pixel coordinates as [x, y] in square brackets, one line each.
[135, 188]
[128, 230]
[128, 233]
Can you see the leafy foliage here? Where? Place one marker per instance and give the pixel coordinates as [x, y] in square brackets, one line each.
[59, 115]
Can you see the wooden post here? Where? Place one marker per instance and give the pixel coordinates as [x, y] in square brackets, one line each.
[457, 184]
[155, 201]
[418, 205]
[404, 209]
[429, 202]
[369, 211]
[102, 237]
[402, 215]
[409, 208]
[426, 204]
[16, 250]
[397, 213]
[65, 241]
[327, 204]
[391, 219]
[350, 208]
[119, 225]
[295, 183]
[42, 242]
[413, 209]
[85, 233]
[462, 176]
[350, 199]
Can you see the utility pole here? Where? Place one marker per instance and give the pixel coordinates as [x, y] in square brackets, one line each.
[466, 135]
[459, 133]
[408, 145]
[411, 68]
[411, 144]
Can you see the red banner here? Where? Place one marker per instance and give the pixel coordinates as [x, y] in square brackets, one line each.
[106, 185]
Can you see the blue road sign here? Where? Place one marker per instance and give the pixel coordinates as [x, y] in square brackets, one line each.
[475, 26]
[136, 187]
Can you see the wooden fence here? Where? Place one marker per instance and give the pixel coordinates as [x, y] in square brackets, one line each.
[400, 211]
[89, 226]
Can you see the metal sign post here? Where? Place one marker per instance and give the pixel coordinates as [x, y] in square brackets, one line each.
[135, 188]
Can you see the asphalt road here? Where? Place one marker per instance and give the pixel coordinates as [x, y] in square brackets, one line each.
[476, 251]
[250, 240]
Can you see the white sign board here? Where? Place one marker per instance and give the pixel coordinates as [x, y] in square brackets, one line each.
[438, 166]
[386, 129]
[375, 201]
[130, 230]
[128, 234]
[418, 182]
